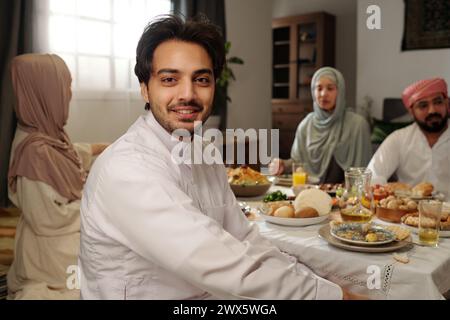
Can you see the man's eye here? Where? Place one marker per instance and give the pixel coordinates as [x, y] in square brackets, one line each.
[168, 80]
[203, 80]
[438, 101]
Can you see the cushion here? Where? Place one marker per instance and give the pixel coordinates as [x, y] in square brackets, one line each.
[381, 129]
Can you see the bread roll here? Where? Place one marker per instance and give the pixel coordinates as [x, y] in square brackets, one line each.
[284, 212]
[306, 212]
[423, 189]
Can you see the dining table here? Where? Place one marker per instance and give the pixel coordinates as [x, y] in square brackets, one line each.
[422, 272]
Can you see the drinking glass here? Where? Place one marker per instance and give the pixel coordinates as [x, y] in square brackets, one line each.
[357, 195]
[299, 175]
[429, 222]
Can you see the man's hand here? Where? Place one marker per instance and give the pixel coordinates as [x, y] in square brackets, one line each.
[347, 295]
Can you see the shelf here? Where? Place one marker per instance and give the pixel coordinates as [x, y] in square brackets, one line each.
[307, 41]
[281, 43]
[307, 65]
[281, 84]
[281, 66]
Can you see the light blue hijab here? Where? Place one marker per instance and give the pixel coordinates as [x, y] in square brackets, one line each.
[341, 133]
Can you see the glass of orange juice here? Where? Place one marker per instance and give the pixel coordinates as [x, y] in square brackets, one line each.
[299, 175]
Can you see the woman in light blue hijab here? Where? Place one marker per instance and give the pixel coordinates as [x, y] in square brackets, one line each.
[332, 138]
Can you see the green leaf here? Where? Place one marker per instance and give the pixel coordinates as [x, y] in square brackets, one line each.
[235, 60]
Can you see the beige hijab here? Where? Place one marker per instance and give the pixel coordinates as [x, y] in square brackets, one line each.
[42, 88]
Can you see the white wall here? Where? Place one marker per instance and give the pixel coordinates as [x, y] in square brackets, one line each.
[345, 12]
[249, 29]
[97, 117]
[383, 69]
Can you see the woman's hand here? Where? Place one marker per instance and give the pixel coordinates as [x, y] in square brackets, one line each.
[98, 148]
[276, 166]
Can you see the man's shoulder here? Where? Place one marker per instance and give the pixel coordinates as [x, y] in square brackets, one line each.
[403, 133]
[135, 151]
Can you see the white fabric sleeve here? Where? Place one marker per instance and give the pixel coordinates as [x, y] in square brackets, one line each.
[386, 159]
[144, 209]
[84, 151]
[45, 210]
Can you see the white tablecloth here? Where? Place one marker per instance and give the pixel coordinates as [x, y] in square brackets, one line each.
[375, 275]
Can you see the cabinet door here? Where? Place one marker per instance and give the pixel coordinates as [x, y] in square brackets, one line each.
[306, 57]
[281, 72]
[286, 140]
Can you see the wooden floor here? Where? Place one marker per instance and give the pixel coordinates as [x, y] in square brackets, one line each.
[8, 222]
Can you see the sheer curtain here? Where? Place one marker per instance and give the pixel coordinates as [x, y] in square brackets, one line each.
[97, 39]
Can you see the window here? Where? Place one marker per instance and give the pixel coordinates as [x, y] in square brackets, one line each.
[97, 39]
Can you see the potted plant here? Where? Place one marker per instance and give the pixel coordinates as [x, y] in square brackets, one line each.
[221, 96]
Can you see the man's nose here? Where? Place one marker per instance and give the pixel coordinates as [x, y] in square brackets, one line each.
[186, 91]
[432, 108]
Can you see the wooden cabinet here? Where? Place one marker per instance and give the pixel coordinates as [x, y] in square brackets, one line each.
[301, 45]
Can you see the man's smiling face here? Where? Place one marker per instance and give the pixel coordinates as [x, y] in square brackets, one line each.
[181, 87]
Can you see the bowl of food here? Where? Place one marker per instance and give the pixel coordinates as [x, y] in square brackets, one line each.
[246, 182]
[392, 208]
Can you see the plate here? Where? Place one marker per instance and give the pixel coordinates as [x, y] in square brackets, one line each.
[390, 236]
[294, 222]
[415, 230]
[249, 190]
[324, 233]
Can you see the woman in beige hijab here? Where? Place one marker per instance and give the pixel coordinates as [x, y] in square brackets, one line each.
[45, 179]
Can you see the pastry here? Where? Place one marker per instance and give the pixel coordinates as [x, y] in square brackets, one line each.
[398, 186]
[400, 233]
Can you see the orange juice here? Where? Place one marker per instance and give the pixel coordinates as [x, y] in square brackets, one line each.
[299, 178]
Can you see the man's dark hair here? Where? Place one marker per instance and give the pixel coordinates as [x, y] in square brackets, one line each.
[172, 27]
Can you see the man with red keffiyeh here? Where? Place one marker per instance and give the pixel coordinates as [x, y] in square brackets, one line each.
[421, 151]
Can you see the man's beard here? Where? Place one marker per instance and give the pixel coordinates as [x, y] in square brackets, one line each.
[435, 126]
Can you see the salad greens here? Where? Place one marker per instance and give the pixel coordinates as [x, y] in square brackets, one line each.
[275, 196]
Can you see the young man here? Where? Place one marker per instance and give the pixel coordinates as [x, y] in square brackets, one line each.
[421, 151]
[154, 229]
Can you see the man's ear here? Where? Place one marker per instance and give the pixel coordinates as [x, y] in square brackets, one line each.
[144, 92]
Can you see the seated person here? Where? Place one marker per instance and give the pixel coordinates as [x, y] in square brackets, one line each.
[154, 228]
[332, 138]
[45, 179]
[420, 151]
